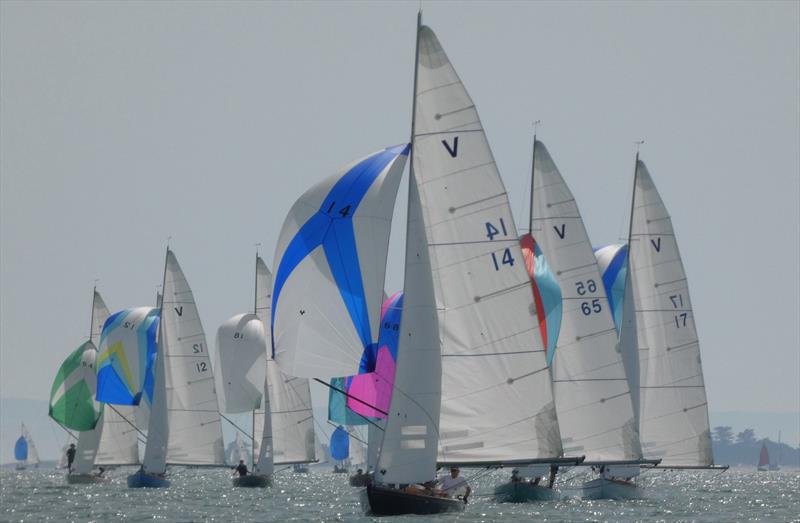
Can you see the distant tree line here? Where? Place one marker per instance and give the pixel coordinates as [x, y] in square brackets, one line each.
[744, 448]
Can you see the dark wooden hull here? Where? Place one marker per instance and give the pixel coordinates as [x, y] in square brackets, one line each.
[252, 481]
[360, 480]
[384, 501]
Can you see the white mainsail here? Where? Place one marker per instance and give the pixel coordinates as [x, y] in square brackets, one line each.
[184, 420]
[330, 264]
[240, 363]
[674, 411]
[592, 395]
[497, 400]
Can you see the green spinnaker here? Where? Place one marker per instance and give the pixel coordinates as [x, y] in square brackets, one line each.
[72, 401]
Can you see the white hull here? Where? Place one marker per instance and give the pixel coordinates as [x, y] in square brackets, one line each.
[601, 488]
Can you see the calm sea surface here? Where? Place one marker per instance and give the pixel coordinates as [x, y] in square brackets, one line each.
[207, 495]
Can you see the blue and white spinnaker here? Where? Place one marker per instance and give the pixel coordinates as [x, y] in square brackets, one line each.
[126, 356]
[331, 263]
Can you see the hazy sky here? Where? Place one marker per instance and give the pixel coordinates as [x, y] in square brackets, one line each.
[125, 123]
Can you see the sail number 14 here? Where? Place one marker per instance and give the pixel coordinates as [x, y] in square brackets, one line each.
[504, 258]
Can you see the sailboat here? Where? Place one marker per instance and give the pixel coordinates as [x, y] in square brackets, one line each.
[119, 441]
[594, 381]
[240, 372]
[283, 432]
[73, 405]
[25, 451]
[184, 427]
[673, 417]
[472, 385]
[331, 262]
[763, 458]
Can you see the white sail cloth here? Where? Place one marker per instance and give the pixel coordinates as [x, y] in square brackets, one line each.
[592, 395]
[330, 266]
[184, 422]
[674, 409]
[286, 432]
[411, 435]
[497, 402]
[240, 366]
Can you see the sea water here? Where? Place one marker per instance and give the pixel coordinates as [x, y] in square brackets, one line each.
[207, 495]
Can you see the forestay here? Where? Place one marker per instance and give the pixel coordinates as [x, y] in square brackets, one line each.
[674, 411]
[240, 363]
[496, 397]
[331, 262]
[591, 390]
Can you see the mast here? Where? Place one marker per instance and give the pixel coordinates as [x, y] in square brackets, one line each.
[255, 288]
[533, 170]
[159, 406]
[91, 319]
[410, 165]
[253, 426]
[633, 202]
[414, 99]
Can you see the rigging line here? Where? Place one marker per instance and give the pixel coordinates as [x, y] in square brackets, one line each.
[337, 389]
[65, 429]
[121, 415]
[237, 427]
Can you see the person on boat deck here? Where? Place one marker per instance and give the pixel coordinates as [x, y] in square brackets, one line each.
[100, 472]
[454, 483]
[241, 468]
[515, 476]
[70, 456]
